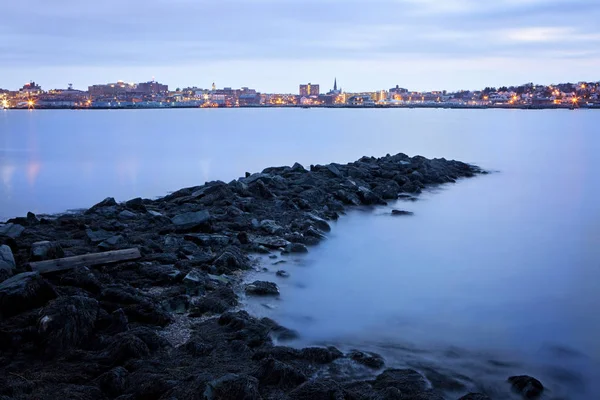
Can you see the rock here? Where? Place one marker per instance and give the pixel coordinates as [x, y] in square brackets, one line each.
[215, 302]
[319, 222]
[123, 347]
[107, 202]
[207, 239]
[191, 220]
[232, 386]
[7, 260]
[296, 248]
[370, 360]
[154, 213]
[333, 169]
[528, 387]
[323, 389]
[271, 242]
[271, 227]
[195, 282]
[367, 196]
[11, 230]
[283, 274]
[126, 214]
[113, 382]
[297, 167]
[177, 305]
[136, 204]
[320, 355]
[272, 372]
[475, 396]
[97, 236]
[408, 381]
[402, 212]
[112, 242]
[46, 250]
[231, 259]
[23, 292]
[67, 323]
[262, 288]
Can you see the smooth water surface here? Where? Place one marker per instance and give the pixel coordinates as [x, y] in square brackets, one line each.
[494, 275]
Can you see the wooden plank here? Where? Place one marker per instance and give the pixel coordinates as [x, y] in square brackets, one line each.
[106, 257]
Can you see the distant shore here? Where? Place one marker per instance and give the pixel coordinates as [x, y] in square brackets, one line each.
[438, 105]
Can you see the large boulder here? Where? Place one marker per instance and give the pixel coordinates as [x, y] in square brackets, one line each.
[107, 202]
[7, 260]
[528, 387]
[191, 221]
[23, 292]
[67, 323]
[272, 372]
[371, 360]
[407, 381]
[46, 250]
[11, 230]
[262, 288]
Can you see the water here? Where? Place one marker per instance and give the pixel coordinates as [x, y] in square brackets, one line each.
[503, 268]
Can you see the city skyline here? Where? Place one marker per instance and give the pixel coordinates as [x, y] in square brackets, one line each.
[424, 44]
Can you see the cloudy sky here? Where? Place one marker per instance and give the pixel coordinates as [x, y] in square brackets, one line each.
[272, 45]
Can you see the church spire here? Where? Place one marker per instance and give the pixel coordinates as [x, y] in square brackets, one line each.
[335, 84]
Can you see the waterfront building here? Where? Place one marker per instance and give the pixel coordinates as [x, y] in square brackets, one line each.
[30, 89]
[111, 89]
[151, 87]
[309, 90]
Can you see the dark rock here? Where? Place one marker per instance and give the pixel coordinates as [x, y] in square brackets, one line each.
[126, 214]
[113, 382]
[370, 360]
[119, 322]
[528, 387]
[112, 242]
[67, 323]
[271, 242]
[177, 305]
[124, 347]
[7, 260]
[271, 227]
[475, 396]
[232, 386]
[232, 259]
[272, 372]
[107, 202]
[296, 248]
[23, 292]
[11, 230]
[46, 250]
[83, 278]
[136, 204]
[401, 212]
[283, 274]
[206, 239]
[97, 236]
[326, 389]
[367, 196]
[320, 355]
[319, 222]
[191, 221]
[262, 288]
[408, 381]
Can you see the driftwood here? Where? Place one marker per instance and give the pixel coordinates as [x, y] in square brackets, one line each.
[106, 257]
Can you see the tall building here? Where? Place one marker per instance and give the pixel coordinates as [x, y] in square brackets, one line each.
[309, 90]
[151, 87]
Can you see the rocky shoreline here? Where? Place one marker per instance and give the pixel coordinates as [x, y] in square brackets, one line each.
[168, 325]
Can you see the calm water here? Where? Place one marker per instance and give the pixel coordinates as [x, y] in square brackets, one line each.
[503, 268]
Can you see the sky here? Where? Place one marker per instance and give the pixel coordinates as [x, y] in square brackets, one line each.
[274, 45]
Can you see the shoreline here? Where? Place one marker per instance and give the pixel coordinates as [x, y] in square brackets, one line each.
[344, 106]
[167, 325]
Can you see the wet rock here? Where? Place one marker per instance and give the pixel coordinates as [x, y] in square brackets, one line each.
[319, 222]
[272, 372]
[7, 260]
[367, 196]
[262, 288]
[23, 292]
[527, 386]
[81, 277]
[296, 248]
[113, 382]
[124, 347]
[389, 190]
[401, 212]
[161, 274]
[191, 221]
[320, 355]
[232, 386]
[271, 242]
[271, 227]
[155, 213]
[326, 389]
[46, 250]
[177, 305]
[283, 274]
[11, 230]
[408, 381]
[232, 259]
[215, 302]
[66, 323]
[118, 322]
[195, 282]
[207, 239]
[136, 204]
[370, 360]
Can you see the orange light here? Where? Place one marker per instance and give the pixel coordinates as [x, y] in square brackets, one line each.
[574, 99]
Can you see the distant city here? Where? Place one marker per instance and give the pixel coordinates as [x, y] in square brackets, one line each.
[153, 94]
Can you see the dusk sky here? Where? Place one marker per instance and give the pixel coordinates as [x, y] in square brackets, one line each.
[273, 45]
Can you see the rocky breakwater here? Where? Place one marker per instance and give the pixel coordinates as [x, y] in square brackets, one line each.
[165, 325]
